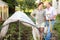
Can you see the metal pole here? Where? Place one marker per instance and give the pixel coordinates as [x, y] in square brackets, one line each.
[19, 29]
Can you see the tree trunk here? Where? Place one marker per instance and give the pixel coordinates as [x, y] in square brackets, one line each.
[11, 9]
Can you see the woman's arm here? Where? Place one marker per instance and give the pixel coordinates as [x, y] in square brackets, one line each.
[33, 14]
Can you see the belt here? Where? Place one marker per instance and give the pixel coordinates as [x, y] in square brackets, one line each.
[50, 20]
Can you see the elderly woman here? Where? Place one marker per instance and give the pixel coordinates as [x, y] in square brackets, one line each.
[38, 14]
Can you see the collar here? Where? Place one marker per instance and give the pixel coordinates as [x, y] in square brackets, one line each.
[49, 8]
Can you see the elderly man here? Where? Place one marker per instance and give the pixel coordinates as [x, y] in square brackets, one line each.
[50, 15]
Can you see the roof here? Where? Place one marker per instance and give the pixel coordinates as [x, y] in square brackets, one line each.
[2, 3]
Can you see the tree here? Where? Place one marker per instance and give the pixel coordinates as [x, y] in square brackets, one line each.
[29, 4]
[11, 4]
[46, 0]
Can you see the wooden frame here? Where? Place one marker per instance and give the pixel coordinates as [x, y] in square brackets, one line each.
[4, 12]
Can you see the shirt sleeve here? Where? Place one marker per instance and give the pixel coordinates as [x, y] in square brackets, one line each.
[54, 11]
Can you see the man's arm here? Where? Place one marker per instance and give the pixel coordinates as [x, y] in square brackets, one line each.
[54, 13]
